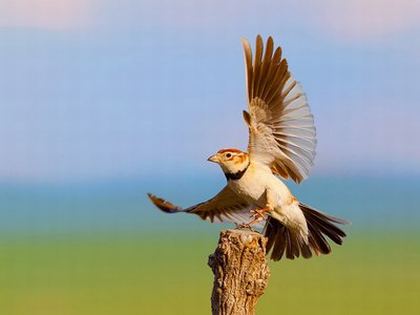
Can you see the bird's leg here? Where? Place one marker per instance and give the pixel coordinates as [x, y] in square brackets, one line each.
[258, 215]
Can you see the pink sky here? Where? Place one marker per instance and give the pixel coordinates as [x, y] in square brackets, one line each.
[346, 20]
[45, 14]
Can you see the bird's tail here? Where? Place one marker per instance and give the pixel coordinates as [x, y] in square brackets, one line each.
[283, 240]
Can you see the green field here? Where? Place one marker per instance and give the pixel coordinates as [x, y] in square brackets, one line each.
[375, 273]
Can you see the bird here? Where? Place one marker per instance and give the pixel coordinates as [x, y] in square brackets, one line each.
[281, 146]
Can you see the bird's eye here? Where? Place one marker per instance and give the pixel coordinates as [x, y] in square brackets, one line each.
[228, 155]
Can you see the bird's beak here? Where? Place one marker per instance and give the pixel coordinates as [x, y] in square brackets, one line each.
[214, 158]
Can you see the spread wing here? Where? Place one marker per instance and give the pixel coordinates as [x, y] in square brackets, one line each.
[281, 126]
[225, 206]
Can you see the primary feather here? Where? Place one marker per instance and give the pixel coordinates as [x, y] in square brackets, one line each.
[281, 126]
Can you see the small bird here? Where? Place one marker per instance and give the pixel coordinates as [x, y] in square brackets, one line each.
[282, 141]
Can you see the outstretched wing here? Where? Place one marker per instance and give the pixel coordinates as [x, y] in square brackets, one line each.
[281, 126]
[225, 206]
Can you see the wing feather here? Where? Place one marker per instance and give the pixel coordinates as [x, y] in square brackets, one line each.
[225, 206]
[281, 125]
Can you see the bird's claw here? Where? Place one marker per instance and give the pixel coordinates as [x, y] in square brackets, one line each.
[244, 226]
[257, 216]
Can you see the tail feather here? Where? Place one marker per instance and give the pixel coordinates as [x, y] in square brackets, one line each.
[334, 234]
[285, 241]
[321, 245]
[270, 232]
[293, 248]
[324, 223]
[279, 247]
[305, 249]
[275, 232]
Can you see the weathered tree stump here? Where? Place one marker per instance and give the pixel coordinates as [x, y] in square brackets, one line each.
[240, 272]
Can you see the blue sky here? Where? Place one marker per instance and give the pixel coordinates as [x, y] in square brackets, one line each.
[91, 90]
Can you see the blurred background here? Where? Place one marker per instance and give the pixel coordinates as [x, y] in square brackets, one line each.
[103, 101]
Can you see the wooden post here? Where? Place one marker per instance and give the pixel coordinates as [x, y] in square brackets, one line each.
[240, 272]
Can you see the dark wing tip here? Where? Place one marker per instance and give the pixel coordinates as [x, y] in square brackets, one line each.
[270, 44]
[247, 117]
[163, 204]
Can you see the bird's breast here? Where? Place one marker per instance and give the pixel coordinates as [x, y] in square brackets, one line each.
[252, 185]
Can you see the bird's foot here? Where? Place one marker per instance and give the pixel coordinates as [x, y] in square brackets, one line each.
[257, 216]
[244, 226]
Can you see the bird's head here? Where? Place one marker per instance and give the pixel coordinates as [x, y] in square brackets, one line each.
[232, 161]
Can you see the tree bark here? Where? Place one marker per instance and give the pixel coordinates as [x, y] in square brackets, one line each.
[240, 272]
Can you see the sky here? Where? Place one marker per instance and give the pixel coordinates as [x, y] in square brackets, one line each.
[93, 90]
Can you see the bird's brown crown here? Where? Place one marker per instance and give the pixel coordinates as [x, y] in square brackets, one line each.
[232, 150]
